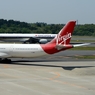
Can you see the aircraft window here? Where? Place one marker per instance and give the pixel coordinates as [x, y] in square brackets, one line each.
[34, 48]
[26, 48]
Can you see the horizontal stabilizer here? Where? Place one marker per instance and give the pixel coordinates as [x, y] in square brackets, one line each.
[59, 47]
[84, 44]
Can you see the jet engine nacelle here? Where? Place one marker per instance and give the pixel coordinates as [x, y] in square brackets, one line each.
[43, 41]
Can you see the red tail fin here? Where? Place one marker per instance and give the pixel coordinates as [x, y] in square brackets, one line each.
[61, 41]
[64, 36]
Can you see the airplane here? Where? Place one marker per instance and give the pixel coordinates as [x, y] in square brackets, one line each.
[60, 43]
[27, 38]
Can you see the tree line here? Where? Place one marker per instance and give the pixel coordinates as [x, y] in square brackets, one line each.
[11, 26]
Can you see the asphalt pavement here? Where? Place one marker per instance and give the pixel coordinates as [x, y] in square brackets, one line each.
[58, 74]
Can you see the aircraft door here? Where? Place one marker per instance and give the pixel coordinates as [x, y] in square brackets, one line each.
[11, 48]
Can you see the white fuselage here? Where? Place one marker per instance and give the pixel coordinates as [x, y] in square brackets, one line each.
[24, 37]
[21, 50]
[27, 35]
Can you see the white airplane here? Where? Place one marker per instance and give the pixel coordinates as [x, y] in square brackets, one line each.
[30, 38]
[59, 43]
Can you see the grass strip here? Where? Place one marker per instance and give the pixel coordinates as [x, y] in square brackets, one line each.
[83, 48]
[85, 57]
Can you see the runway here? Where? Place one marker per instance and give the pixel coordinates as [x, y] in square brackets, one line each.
[59, 74]
[68, 55]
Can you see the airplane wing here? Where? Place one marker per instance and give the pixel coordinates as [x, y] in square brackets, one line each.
[41, 40]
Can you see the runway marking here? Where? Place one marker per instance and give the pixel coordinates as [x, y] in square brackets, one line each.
[6, 66]
[69, 84]
[56, 76]
[74, 85]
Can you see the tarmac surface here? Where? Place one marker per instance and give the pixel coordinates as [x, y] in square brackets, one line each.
[59, 74]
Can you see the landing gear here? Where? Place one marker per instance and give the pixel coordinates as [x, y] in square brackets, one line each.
[5, 60]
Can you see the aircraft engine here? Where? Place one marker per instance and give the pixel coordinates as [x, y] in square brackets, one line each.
[43, 41]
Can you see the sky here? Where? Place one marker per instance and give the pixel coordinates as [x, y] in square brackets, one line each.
[48, 11]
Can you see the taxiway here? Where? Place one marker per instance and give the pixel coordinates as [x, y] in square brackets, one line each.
[59, 74]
